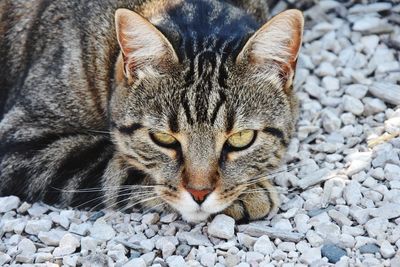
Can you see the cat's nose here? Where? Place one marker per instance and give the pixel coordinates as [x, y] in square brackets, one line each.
[199, 195]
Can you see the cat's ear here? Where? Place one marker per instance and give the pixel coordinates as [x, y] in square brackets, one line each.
[274, 48]
[144, 48]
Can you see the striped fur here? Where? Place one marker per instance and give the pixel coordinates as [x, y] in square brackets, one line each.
[77, 106]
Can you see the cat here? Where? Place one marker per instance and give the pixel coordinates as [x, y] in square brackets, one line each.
[181, 105]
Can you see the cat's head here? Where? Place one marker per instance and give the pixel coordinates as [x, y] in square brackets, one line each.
[202, 123]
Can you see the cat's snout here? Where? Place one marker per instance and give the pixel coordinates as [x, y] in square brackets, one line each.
[199, 195]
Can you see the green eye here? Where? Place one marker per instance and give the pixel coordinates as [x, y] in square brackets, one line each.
[163, 139]
[241, 139]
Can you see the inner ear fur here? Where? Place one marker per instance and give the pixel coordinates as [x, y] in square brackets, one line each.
[275, 47]
[145, 50]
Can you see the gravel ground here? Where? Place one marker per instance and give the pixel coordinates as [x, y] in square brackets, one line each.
[340, 186]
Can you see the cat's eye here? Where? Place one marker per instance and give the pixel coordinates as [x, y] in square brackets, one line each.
[242, 139]
[164, 139]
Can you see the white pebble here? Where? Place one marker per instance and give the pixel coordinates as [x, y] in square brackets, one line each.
[353, 105]
[101, 230]
[222, 226]
[8, 203]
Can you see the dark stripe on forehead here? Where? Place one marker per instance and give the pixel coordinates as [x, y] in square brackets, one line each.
[173, 123]
[185, 105]
[221, 101]
[230, 119]
[277, 133]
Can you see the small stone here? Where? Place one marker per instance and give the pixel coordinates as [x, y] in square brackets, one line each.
[332, 252]
[70, 260]
[313, 178]
[169, 218]
[356, 90]
[183, 250]
[175, 261]
[150, 218]
[387, 250]
[353, 105]
[167, 248]
[148, 257]
[353, 231]
[24, 258]
[97, 215]
[330, 121]
[314, 239]
[232, 260]
[101, 230]
[208, 259]
[369, 248]
[362, 240]
[136, 262]
[388, 92]
[283, 224]
[197, 239]
[392, 172]
[346, 241]
[310, 255]
[37, 210]
[246, 240]
[8, 203]
[26, 246]
[4, 258]
[387, 211]
[68, 245]
[376, 226]
[359, 214]
[287, 246]
[326, 69]
[42, 257]
[58, 219]
[373, 106]
[278, 255]
[328, 231]
[80, 229]
[36, 226]
[24, 207]
[370, 24]
[352, 193]
[258, 230]
[222, 226]
[88, 243]
[264, 245]
[254, 257]
[52, 237]
[340, 218]
[301, 221]
[331, 83]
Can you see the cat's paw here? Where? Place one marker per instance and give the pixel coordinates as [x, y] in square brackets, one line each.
[256, 202]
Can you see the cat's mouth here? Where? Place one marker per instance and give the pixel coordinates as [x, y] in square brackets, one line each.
[193, 211]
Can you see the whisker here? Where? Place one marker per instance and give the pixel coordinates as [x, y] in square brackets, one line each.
[139, 194]
[133, 204]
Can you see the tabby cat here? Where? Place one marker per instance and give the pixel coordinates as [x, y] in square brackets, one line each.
[182, 105]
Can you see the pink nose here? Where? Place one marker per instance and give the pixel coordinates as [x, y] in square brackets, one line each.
[199, 195]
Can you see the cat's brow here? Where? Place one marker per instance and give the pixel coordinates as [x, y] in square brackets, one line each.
[129, 129]
[278, 133]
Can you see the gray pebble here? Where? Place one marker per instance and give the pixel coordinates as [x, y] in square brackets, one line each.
[332, 252]
[369, 248]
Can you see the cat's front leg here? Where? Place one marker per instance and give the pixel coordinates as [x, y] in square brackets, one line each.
[256, 202]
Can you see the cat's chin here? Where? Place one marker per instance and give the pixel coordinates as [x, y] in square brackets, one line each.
[195, 217]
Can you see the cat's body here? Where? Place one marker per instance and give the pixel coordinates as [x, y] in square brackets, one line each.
[69, 124]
